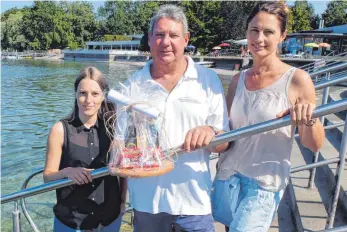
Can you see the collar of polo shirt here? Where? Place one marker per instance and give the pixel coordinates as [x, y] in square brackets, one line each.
[190, 73]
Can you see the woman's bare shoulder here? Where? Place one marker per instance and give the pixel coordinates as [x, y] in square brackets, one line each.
[57, 129]
[235, 80]
[301, 78]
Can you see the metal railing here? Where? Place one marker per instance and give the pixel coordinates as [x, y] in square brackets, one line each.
[316, 74]
[230, 136]
[326, 60]
[212, 157]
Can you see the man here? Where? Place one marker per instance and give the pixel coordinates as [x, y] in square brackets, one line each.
[192, 100]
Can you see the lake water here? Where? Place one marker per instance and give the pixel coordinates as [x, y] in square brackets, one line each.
[34, 95]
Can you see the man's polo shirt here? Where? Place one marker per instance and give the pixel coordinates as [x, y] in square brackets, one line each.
[197, 100]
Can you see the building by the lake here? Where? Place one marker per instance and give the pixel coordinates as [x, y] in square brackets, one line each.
[333, 40]
[106, 50]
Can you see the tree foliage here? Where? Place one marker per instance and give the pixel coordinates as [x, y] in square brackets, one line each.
[49, 24]
[302, 15]
[118, 16]
[11, 31]
[61, 24]
[335, 13]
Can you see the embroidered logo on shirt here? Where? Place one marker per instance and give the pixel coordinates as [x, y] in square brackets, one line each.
[189, 100]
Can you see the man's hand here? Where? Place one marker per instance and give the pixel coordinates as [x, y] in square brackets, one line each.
[198, 137]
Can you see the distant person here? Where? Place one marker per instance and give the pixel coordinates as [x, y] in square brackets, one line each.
[254, 173]
[192, 100]
[77, 145]
[242, 51]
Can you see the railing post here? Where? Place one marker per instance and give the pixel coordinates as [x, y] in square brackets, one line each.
[16, 218]
[322, 119]
[339, 172]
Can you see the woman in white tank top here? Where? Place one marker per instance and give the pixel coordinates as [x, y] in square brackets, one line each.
[252, 175]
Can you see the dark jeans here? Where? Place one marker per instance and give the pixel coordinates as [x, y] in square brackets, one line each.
[164, 222]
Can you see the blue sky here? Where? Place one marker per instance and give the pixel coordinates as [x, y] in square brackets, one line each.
[319, 5]
[6, 4]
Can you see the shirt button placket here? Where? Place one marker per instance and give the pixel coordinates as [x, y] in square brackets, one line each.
[91, 144]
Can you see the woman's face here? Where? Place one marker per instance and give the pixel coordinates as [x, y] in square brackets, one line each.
[89, 97]
[264, 34]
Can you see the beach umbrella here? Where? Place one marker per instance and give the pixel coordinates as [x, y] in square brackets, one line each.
[311, 45]
[224, 45]
[216, 48]
[324, 45]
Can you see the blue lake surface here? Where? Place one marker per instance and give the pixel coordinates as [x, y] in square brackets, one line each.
[34, 95]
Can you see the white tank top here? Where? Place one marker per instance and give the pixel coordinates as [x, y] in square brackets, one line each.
[265, 157]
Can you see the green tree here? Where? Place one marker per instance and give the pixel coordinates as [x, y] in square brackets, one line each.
[335, 13]
[234, 15]
[143, 13]
[11, 31]
[302, 14]
[47, 23]
[118, 16]
[83, 21]
[203, 19]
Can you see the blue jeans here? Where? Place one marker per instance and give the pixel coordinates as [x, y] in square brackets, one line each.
[240, 203]
[164, 222]
[113, 227]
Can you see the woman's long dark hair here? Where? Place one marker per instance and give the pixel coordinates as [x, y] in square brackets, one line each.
[95, 75]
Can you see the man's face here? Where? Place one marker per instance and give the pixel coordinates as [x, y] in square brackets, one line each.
[168, 41]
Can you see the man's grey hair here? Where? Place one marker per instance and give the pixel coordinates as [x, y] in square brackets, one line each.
[171, 12]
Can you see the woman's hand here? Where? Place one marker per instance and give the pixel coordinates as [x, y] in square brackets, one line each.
[78, 175]
[300, 114]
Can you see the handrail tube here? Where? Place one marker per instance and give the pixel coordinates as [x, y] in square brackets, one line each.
[339, 172]
[338, 74]
[16, 226]
[332, 126]
[323, 84]
[314, 165]
[337, 229]
[335, 67]
[236, 134]
[322, 119]
[325, 58]
[334, 107]
[23, 205]
[48, 186]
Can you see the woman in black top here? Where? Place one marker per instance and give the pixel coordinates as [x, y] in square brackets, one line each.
[76, 146]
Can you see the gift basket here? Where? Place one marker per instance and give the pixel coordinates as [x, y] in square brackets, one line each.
[139, 141]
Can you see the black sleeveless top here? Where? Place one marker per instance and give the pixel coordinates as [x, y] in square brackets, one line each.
[88, 205]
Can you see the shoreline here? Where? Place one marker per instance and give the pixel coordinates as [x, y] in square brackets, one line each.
[224, 74]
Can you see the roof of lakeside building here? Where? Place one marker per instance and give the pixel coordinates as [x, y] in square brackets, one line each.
[130, 42]
[317, 33]
[335, 31]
